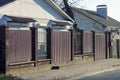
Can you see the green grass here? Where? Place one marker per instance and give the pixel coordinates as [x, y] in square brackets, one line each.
[9, 77]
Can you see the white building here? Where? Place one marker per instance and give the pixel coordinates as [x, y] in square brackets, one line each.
[35, 12]
[23, 14]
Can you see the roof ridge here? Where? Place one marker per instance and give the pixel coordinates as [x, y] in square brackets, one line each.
[93, 15]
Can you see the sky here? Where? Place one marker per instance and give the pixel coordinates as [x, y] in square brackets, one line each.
[112, 5]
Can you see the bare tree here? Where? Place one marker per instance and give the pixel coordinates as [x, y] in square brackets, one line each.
[59, 3]
[70, 2]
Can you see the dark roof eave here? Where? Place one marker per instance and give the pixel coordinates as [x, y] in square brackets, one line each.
[20, 19]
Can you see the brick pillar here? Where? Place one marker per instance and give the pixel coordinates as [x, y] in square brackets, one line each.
[94, 44]
[3, 49]
[93, 41]
[34, 45]
[106, 39]
[49, 43]
[110, 45]
[72, 45]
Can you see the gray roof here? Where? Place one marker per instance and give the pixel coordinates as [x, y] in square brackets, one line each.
[93, 15]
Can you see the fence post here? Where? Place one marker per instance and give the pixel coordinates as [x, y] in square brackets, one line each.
[3, 49]
[82, 43]
[110, 45]
[34, 45]
[49, 43]
[94, 44]
[72, 45]
[107, 45]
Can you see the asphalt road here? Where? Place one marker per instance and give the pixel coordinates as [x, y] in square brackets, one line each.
[110, 75]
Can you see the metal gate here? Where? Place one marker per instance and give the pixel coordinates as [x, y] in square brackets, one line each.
[42, 54]
[77, 42]
[100, 46]
[19, 46]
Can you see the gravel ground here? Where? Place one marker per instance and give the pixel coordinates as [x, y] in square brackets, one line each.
[70, 72]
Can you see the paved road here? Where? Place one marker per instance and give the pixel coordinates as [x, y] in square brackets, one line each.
[111, 75]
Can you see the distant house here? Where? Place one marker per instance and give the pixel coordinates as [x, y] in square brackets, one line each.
[97, 21]
[94, 20]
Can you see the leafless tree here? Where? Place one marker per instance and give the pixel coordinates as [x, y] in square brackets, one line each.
[59, 3]
[70, 2]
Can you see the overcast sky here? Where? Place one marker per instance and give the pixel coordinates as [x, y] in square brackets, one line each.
[113, 6]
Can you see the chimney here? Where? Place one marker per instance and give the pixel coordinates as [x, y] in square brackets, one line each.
[102, 11]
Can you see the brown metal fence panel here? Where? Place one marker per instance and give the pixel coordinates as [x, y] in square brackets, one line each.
[61, 46]
[100, 46]
[87, 42]
[19, 46]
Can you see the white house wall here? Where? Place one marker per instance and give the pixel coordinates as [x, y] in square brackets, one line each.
[30, 8]
[86, 23]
